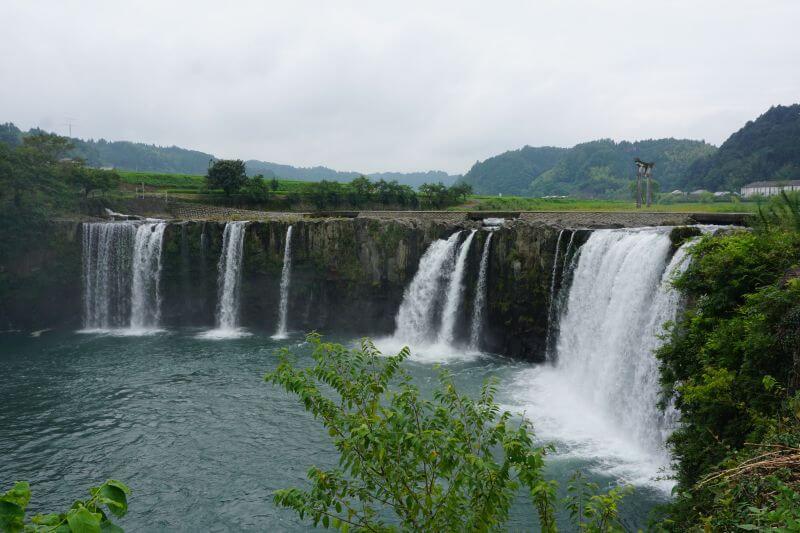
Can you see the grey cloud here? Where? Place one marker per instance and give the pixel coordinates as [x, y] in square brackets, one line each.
[375, 86]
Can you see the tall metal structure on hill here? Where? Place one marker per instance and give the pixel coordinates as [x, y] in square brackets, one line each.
[643, 170]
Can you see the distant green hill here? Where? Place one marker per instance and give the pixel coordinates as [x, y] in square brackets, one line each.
[767, 148]
[605, 168]
[324, 173]
[511, 173]
[126, 155]
[602, 168]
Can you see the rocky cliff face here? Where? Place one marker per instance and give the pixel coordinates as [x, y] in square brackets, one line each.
[40, 279]
[348, 277]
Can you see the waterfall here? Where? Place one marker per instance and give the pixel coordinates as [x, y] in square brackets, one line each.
[415, 321]
[121, 275]
[600, 397]
[551, 303]
[107, 256]
[229, 276]
[479, 306]
[567, 260]
[286, 273]
[455, 291]
[145, 295]
[619, 299]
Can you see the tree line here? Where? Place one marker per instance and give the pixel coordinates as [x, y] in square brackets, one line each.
[230, 176]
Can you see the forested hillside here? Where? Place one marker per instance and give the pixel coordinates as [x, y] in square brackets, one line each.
[602, 168]
[126, 155]
[767, 148]
[511, 173]
[605, 168]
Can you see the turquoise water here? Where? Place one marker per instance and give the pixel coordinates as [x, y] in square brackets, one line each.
[202, 440]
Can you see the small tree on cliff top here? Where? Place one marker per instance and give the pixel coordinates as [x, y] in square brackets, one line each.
[227, 174]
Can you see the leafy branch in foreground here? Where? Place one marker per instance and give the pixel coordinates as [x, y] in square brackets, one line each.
[592, 511]
[447, 464]
[85, 516]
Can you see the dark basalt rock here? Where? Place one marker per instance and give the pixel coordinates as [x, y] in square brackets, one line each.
[348, 277]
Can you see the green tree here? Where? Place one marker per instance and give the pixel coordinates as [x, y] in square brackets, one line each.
[362, 190]
[325, 194]
[460, 191]
[435, 194]
[227, 174]
[274, 184]
[447, 464]
[256, 189]
[83, 516]
[88, 180]
[732, 364]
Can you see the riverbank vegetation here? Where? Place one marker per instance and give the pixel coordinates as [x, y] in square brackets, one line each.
[733, 362]
[38, 184]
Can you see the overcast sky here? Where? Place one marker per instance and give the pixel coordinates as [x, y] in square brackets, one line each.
[371, 86]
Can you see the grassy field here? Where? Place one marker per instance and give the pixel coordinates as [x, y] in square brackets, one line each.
[188, 186]
[517, 203]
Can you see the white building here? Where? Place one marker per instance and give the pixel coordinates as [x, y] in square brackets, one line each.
[769, 188]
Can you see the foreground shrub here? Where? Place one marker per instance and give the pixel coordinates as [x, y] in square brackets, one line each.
[84, 516]
[733, 364]
[447, 464]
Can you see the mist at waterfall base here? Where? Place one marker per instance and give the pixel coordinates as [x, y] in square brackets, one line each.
[190, 424]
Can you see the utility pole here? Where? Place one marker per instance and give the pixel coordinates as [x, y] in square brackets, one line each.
[638, 183]
[643, 170]
[69, 122]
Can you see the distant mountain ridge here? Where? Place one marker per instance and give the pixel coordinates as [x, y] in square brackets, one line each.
[765, 149]
[126, 155]
[602, 168]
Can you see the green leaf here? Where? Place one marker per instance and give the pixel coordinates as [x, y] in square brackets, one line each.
[108, 527]
[20, 494]
[114, 497]
[82, 520]
[51, 519]
[12, 516]
[120, 485]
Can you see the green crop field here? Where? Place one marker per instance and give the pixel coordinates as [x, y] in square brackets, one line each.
[192, 183]
[518, 203]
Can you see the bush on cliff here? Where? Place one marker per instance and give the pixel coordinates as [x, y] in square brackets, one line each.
[733, 363]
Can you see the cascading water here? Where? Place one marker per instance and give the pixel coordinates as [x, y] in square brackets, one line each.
[479, 307]
[145, 295]
[107, 248]
[285, 280]
[603, 391]
[416, 317]
[121, 275]
[605, 332]
[551, 303]
[567, 260]
[229, 276]
[455, 291]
